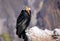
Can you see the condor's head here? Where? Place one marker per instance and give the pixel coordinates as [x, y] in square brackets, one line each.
[28, 10]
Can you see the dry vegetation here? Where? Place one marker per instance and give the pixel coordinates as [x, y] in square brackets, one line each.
[48, 38]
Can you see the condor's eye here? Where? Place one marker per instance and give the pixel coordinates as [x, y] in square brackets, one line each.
[58, 4]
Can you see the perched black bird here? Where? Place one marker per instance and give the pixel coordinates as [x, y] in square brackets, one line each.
[23, 21]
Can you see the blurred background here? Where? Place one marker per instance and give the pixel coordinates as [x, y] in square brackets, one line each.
[45, 14]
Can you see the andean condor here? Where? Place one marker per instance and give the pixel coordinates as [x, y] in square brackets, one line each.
[23, 21]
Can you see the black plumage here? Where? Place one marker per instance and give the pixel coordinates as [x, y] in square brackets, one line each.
[23, 21]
